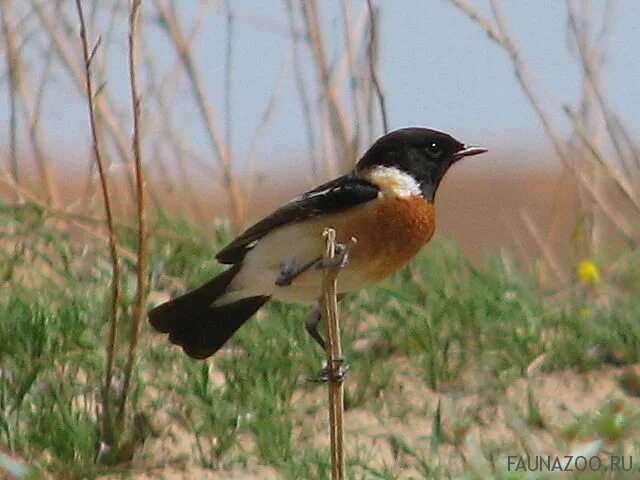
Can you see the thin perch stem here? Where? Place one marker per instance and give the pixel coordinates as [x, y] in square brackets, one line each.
[141, 267]
[107, 419]
[334, 358]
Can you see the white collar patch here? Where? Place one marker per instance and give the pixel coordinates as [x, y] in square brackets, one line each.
[394, 182]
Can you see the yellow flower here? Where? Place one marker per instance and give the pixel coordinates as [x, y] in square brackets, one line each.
[587, 313]
[588, 272]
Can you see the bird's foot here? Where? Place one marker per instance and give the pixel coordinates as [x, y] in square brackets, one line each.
[286, 276]
[289, 272]
[328, 374]
[341, 257]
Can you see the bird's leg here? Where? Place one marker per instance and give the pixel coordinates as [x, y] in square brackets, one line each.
[311, 326]
[312, 323]
[289, 272]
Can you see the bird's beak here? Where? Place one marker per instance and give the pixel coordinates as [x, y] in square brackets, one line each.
[469, 151]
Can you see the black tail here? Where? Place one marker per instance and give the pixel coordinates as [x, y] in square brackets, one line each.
[197, 326]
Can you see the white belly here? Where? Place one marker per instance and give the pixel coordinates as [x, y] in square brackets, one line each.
[296, 247]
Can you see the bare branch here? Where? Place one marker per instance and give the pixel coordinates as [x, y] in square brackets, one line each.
[12, 57]
[355, 84]
[625, 186]
[498, 32]
[337, 117]
[590, 64]
[228, 76]
[262, 127]
[32, 108]
[302, 91]
[547, 255]
[107, 419]
[141, 265]
[102, 104]
[487, 25]
[372, 49]
[207, 113]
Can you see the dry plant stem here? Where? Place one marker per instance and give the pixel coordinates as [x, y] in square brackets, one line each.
[19, 95]
[158, 92]
[262, 128]
[372, 52]
[102, 106]
[623, 184]
[31, 109]
[207, 113]
[141, 265]
[499, 34]
[334, 358]
[590, 66]
[588, 114]
[107, 419]
[337, 117]
[355, 65]
[228, 74]
[524, 78]
[12, 72]
[546, 251]
[559, 196]
[354, 81]
[81, 223]
[71, 219]
[302, 91]
[553, 134]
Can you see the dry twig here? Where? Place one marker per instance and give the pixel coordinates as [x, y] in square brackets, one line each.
[589, 184]
[141, 265]
[302, 91]
[208, 114]
[372, 55]
[102, 105]
[107, 419]
[344, 144]
[12, 57]
[78, 221]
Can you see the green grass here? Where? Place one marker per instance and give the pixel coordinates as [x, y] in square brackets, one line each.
[443, 326]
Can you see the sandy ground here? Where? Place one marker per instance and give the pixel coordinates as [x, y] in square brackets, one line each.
[408, 413]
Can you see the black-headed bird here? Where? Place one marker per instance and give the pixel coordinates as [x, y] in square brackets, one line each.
[386, 202]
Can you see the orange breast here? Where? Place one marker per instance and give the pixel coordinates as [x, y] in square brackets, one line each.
[389, 232]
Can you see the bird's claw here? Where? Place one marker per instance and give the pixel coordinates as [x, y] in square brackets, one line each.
[341, 258]
[286, 276]
[327, 375]
[289, 272]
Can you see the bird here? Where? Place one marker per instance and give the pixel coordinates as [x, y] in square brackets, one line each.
[386, 203]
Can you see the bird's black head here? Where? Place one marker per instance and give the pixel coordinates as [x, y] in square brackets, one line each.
[424, 154]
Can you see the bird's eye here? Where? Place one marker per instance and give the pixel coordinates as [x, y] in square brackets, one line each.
[434, 150]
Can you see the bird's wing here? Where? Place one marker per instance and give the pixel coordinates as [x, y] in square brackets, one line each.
[340, 194]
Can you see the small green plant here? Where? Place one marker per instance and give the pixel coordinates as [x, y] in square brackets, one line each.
[442, 326]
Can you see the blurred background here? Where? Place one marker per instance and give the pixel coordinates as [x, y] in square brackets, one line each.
[245, 104]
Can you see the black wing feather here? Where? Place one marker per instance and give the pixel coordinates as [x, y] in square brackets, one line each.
[340, 194]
